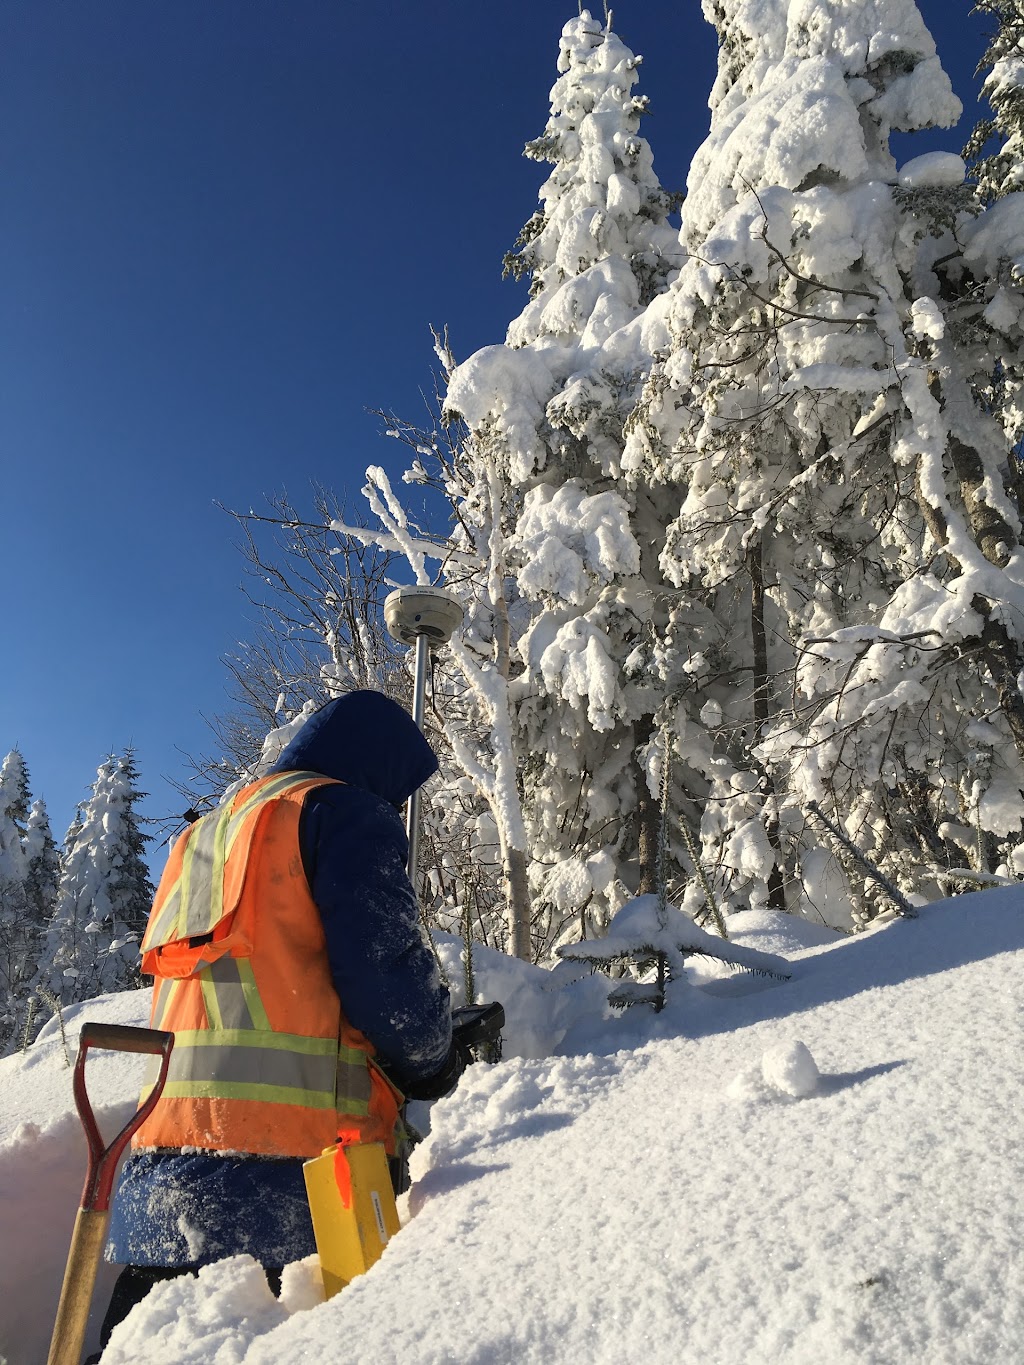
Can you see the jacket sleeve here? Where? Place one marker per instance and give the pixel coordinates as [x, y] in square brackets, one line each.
[354, 851]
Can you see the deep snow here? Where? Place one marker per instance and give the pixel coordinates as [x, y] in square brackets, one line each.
[824, 1169]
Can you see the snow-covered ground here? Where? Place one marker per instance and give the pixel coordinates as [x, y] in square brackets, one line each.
[688, 1187]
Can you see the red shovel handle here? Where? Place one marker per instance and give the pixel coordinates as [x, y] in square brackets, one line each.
[99, 1179]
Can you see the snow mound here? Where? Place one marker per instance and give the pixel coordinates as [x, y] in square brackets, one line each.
[786, 1071]
[209, 1319]
[540, 1006]
[790, 1069]
[772, 931]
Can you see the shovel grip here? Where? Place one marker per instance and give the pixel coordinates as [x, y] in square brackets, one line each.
[122, 1038]
[103, 1161]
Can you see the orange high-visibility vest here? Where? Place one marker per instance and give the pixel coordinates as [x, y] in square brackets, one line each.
[264, 1059]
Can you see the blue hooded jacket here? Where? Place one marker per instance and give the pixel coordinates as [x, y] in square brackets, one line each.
[354, 852]
[191, 1208]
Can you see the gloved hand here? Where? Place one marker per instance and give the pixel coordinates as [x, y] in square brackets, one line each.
[442, 1082]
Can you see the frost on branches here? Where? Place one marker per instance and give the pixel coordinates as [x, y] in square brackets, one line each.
[846, 546]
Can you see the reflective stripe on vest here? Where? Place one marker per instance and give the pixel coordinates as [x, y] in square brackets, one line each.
[277, 1068]
[240, 1057]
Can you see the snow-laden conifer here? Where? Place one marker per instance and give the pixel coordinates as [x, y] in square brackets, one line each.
[104, 894]
[40, 888]
[996, 147]
[43, 862]
[603, 211]
[653, 941]
[845, 546]
[562, 595]
[14, 809]
[16, 933]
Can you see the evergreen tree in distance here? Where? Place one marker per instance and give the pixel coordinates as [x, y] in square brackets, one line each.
[43, 857]
[16, 938]
[104, 895]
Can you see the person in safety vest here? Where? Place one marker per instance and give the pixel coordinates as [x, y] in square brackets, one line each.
[305, 1001]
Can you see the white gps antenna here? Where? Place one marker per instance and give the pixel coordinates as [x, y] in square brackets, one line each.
[427, 618]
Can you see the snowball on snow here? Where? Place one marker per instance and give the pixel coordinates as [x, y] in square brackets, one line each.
[785, 1069]
[933, 170]
[790, 1068]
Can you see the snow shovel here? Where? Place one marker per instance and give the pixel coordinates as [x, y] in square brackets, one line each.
[94, 1214]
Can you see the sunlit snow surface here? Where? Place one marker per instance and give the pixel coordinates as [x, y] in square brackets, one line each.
[824, 1169]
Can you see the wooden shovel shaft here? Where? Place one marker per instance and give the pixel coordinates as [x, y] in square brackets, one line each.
[79, 1282]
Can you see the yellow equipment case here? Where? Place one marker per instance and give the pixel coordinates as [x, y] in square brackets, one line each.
[353, 1209]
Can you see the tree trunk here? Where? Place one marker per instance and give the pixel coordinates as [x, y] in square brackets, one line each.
[647, 818]
[514, 862]
[518, 902]
[759, 636]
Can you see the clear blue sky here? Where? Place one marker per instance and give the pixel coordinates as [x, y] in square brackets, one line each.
[225, 228]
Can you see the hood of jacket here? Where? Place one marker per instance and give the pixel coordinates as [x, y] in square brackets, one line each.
[365, 740]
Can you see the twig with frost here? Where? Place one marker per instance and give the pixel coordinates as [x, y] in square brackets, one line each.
[702, 877]
[26, 1032]
[50, 999]
[903, 906]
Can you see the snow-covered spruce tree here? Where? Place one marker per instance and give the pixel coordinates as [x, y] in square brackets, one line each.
[995, 150]
[43, 860]
[995, 156]
[561, 605]
[41, 881]
[16, 937]
[104, 894]
[831, 460]
[653, 939]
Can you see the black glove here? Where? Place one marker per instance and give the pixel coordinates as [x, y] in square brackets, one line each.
[442, 1082]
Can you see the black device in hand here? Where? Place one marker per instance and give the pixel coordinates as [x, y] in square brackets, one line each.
[477, 1029]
